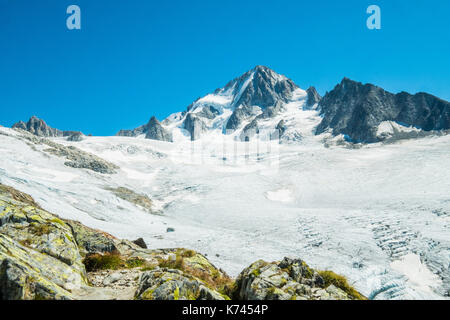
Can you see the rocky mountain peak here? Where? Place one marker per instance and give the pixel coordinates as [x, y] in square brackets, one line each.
[313, 97]
[38, 127]
[155, 131]
[356, 110]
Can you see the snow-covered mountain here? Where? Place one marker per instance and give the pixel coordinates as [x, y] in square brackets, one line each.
[263, 100]
[245, 104]
[377, 213]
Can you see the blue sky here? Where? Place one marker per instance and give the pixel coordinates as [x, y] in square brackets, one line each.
[134, 59]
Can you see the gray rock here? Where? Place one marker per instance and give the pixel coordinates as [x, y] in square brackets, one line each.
[356, 110]
[91, 241]
[76, 137]
[169, 284]
[208, 112]
[77, 158]
[195, 126]
[266, 89]
[155, 131]
[39, 128]
[290, 279]
[280, 129]
[239, 115]
[112, 278]
[249, 131]
[312, 98]
[141, 243]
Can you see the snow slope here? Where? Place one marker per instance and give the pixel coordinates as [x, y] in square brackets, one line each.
[379, 215]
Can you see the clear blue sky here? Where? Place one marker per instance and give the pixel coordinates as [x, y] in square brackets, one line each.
[134, 59]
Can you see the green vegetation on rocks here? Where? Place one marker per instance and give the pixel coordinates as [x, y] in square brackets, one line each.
[290, 279]
[331, 278]
[45, 257]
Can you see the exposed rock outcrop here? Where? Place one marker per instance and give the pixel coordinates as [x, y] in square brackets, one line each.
[153, 130]
[313, 97]
[39, 128]
[356, 110]
[194, 125]
[76, 137]
[290, 279]
[260, 87]
[91, 241]
[45, 257]
[39, 258]
[75, 157]
[137, 199]
[170, 284]
[141, 243]
[208, 112]
[249, 131]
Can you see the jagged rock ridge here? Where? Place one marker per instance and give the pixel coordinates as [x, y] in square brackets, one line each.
[153, 130]
[39, 128]
[357, 110]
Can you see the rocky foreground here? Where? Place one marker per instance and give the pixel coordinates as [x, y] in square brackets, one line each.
[43, 257]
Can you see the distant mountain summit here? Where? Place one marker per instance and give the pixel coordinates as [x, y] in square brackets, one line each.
[258, 94]
[152, 130]
[38, 127]
[262, 101]
[358, 110]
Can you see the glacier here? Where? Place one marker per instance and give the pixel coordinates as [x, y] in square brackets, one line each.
[378, 214]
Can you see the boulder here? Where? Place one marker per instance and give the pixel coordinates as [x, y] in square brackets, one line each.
[141, 243]
[170, 284]
[91, 241]
[39, 258]
[290, 279]
[76, 137]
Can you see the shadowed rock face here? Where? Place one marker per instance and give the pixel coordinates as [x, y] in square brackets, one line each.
[313, 97]
[76, 137]
[155, 131]
[195, 126]
[249, 131]
[356, 110]
[265, 89]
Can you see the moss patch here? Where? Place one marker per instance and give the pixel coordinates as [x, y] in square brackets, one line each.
[40, 229]
[108, 261]
[340, 282]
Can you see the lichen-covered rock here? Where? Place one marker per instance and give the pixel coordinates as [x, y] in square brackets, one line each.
[26, 274]
[39, 258]
[169, 284]
[90, 240]
[290, 279]
[40, 231]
